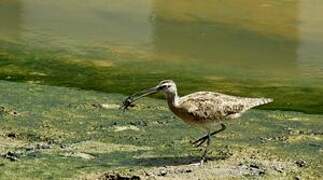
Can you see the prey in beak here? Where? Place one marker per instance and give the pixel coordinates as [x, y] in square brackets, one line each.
[128, 102]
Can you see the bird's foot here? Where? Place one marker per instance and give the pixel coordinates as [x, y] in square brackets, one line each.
[196, 164]
[199, 163]
[204, 157]
[202, 161]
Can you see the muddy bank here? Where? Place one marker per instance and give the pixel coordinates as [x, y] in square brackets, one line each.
[56, 132]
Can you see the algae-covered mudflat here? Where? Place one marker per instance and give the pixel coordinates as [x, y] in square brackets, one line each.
[52, 132]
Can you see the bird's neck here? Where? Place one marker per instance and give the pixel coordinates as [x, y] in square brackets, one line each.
[172, 99]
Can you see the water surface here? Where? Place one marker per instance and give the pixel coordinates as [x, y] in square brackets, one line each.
[249, 48]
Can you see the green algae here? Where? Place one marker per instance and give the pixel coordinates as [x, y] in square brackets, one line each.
[113, 77]
[87, 134]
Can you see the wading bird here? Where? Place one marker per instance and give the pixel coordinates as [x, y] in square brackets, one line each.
[203, 109]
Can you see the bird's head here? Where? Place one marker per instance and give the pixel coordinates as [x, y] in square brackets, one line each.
[167, 87]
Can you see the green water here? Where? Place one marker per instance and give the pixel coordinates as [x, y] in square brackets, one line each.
[266, 48]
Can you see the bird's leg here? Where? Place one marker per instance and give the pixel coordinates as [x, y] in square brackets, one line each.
[223, 127]
[208, 141]
[201, 140]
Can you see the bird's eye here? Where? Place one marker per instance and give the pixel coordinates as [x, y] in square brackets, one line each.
[168, 86]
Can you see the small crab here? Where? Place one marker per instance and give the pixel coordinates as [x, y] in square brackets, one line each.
[128, 102]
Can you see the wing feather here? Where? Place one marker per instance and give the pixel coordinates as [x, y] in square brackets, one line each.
[211, 105]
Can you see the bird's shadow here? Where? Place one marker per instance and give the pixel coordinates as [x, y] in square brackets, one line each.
[150, 162]
[128, 160]
[170, 161]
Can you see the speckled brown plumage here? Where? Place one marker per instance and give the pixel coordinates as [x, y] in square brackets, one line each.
[207, 107]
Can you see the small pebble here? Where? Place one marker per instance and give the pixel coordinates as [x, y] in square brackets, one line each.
[278, 169]
[163, 172]
[12, 135]
[29, 148]
[120, 177]
[14, 113]
[301, 163]
[43, 146]
[297, 178]
[11, 156]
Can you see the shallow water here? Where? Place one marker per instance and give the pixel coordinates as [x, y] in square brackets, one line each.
[250, 48]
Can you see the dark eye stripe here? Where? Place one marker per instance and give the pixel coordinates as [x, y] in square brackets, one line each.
[164, 86]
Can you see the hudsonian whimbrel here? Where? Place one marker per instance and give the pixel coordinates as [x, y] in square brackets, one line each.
[202, 109]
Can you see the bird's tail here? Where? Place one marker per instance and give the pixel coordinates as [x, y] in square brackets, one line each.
[253, 102]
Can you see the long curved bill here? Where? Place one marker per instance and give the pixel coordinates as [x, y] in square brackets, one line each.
[144, 93]
[129, 100]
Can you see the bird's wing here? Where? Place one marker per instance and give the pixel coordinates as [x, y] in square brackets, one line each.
[212, 105]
